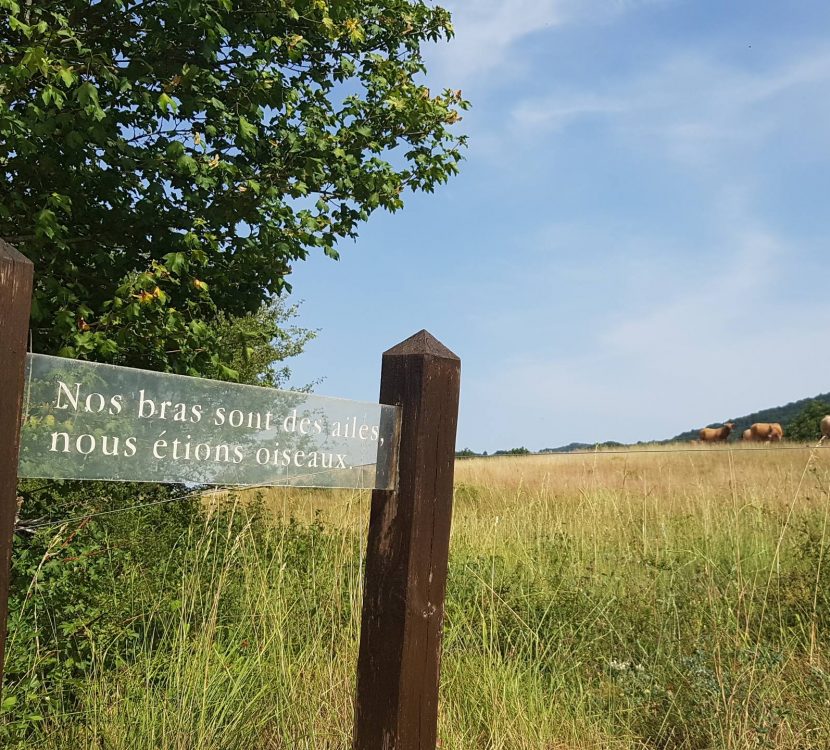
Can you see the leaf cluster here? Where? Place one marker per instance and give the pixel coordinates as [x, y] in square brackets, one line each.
[257, 344]
[806, 426]
[76, 587]
[163, 161]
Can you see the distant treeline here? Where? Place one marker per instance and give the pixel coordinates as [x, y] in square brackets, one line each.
[569, 448]
[785, 415]
[467, 453]
[800, 420]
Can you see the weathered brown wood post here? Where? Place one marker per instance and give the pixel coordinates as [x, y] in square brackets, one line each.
[406, 556]
[15, 303]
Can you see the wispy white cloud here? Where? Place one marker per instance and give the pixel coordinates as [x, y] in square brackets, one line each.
[693, 105]
[557, 112]
[608, 395]
[488, 31]
[700, 348]
[670, 327]
[691, 321]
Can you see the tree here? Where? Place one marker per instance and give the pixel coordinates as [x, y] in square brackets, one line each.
[164, 162]
[256, 342]
[806, 426]
[513, 452]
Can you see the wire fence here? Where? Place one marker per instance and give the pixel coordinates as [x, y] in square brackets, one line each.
[204, 492]
[599, 450]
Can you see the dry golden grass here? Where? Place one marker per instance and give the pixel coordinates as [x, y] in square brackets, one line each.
[643, 530]
[672, 480]
[666, 599]
[599, 493]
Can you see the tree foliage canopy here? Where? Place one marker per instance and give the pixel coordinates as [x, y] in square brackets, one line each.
[252, 344]
[806, 426]
[163, 161]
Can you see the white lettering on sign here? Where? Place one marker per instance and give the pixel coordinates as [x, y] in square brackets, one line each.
[91, 421]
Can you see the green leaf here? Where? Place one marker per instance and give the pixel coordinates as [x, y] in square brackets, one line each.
[176, 262]
[167, 103]
[246, 129]
[63, 202]
[87, 94]
[9, 702]
[67, 76]
[35, 58]
[187, 163]
[15, 24]
[229, 373]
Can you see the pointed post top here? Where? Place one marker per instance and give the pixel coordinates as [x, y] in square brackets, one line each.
[423, 343]
[10, 252]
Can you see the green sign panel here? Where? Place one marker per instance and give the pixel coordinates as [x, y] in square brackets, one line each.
[85, 420]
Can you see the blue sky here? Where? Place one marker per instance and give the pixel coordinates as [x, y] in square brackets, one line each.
[637, 242]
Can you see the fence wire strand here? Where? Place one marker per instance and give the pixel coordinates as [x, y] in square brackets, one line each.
[34, 525]
[627, 451]
[30, 526]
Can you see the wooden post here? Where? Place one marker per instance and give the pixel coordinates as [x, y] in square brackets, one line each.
[15, 304]
[396, 706]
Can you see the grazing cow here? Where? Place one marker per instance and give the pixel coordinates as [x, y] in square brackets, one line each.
[716, 434]
[767, 432]
[825, 427]
[747, 436]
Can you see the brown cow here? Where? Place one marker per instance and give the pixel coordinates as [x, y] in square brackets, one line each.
[767, 432]
[747, 436]
[716, 434]
[825, 426]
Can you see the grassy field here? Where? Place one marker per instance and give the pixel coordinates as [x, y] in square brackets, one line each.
[655, 599]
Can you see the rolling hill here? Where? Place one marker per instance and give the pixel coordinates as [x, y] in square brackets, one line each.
[782, 414]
